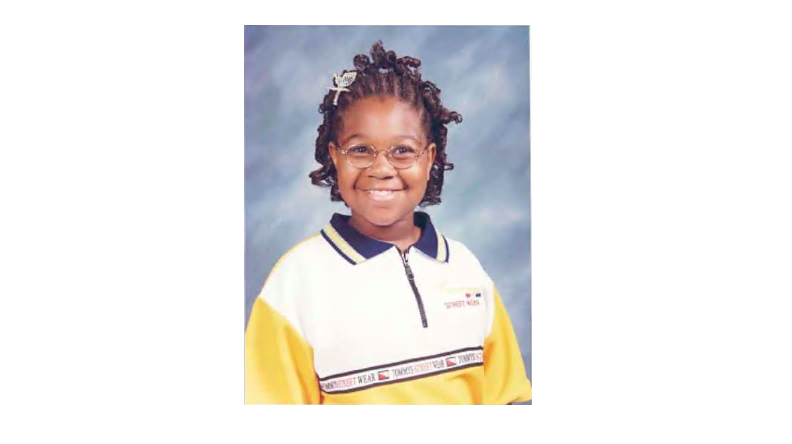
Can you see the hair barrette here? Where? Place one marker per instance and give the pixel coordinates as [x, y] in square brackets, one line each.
[341, 83]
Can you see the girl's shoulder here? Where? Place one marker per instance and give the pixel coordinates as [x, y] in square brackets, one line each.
[465, 264]
[459, 252]
[291, 269]
[300, 253]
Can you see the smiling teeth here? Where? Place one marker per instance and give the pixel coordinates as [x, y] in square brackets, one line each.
[381, 192]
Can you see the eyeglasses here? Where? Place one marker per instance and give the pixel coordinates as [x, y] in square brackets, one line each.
[400, 156]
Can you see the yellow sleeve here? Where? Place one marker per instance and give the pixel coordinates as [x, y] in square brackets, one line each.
[278, 360]
[504, 372]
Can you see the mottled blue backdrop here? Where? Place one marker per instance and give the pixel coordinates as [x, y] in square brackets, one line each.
[483, 74]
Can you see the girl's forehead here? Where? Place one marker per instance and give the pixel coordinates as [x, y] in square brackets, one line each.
[381, 117]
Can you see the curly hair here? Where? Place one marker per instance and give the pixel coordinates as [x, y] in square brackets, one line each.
[386, 75]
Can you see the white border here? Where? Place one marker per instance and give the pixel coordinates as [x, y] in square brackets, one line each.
[660, 162]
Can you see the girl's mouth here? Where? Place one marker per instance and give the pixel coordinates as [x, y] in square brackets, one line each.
[382, 195]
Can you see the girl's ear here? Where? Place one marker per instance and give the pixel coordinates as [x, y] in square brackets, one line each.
[430, 153]
[333, 154]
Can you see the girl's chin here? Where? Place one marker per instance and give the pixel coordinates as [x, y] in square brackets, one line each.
[381, 217]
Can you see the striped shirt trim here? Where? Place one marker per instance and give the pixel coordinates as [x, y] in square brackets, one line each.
[339, 242]
[402, 371]
[338, 250]
[442, 247]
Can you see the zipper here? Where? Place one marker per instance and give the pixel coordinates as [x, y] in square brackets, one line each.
[411, 278]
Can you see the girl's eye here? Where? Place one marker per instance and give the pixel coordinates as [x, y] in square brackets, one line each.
[403, 151]
[358, 150]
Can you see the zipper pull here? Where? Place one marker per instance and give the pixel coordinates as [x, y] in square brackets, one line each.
[407, 268]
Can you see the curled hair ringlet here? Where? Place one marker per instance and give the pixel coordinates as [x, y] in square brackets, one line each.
[385, 74]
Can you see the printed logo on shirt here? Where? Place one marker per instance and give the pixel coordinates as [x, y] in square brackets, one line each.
[462, 297]
[402, 371]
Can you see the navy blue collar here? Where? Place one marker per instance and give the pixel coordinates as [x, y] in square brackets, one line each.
[357, 248]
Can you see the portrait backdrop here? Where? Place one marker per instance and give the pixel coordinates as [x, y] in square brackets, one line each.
[483, 74]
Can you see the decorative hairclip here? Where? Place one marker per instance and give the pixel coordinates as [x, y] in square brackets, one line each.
[341, 82]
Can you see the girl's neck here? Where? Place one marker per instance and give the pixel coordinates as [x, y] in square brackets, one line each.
[401, 233]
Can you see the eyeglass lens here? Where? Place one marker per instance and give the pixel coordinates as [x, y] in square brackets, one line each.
[365, 156]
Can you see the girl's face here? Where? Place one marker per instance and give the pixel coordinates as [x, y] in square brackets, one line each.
[382, 123]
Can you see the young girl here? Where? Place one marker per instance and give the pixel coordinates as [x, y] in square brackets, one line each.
[380, 307]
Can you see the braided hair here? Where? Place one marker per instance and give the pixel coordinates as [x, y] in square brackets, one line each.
[386, 75]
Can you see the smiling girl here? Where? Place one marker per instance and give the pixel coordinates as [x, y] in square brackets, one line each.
[379, 307]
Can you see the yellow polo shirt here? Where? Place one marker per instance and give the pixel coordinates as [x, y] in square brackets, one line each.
[347, 319]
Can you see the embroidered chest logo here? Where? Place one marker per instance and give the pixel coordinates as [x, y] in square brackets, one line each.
[462, 297]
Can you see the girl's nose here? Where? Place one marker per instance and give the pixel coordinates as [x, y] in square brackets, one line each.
[381, 168]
